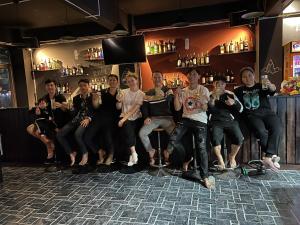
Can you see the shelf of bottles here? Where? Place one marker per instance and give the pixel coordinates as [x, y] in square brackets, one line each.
[73, 71]
[63, 88]
[94, 54]
[208, 77]
[47, 65]
[236, 47]
[160, 47]
[174, 82]
[99, 84]
[193, 61]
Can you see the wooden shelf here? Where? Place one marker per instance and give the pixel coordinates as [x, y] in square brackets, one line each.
[76, 75]
[193, 67]
[235, 53]
[165, 53]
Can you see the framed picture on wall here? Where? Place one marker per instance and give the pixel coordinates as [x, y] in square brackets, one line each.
[125, 69]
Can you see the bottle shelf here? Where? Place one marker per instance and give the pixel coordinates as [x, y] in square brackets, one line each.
[46, 70]
[164, 53]
[76, 75]
[193, 67]
[235, 53]
[212, 84]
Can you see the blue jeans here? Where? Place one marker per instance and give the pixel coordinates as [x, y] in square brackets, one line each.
[78, 134]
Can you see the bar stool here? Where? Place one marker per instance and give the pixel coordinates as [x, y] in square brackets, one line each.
[159, 172]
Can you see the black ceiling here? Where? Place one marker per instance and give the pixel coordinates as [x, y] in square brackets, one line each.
[51, 19]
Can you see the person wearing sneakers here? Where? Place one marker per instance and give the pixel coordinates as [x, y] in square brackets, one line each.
[82, 111]
[130, 101]
[222, 108]
[193, 99]
[261, 120]
[157, 112]
[104, 123]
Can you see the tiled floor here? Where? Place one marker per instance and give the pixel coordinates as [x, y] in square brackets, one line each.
[31, 196]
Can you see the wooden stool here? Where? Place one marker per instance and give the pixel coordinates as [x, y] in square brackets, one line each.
[160, 172]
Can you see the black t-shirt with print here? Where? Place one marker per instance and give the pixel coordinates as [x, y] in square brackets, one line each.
[254, 99]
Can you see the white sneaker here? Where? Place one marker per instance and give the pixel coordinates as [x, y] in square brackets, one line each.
[133, 159]
[276, 160]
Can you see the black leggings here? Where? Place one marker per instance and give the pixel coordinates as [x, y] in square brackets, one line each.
[267, 128]
[100, 133]
[199, 130]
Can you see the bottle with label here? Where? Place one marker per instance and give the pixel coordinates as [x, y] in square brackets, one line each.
[179, 62]
[183, 62]
[173, 46]
[206, 58]
[198, 59]
[58, 88]
[231, 47]
[241, 45]
[246, 45]
[231, 76]
[203, 80]
[148, 48]
[222, 49]
[187, 61]
[169, 46]
[151, 48]
[227, 76]
[194, 60]
[264, 79]
[202, 59]
[227, 46]
[211, 78]
[236, 47]
[160, 47]
[155, 47]
[191, 63]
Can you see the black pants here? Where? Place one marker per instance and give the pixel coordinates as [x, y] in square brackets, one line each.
[230, 128]
[199, 130]
[268, 128]
[62, 137]
[129, 132]
[100, 134]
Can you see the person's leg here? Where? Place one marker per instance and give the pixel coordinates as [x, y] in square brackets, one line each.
[32, 130]
[200, 134]
[217, 135]
[257, 125]
[79, 133]
[175, 140]
[144, 136]
[128, 133]
[234, 132]
[168, 125]
[109, 143]
[63, 140]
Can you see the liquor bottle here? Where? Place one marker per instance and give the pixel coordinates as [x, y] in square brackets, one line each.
[179, 62]
[206, 58]
[241, 45]
[169, 46]
[67, 88]
[173, 46]
[211, 78]
[183, 62]
[246, 45]
[222, 49]
[191, 63]
[165, 82]
[187, 61]
[151, 48]
[194, 60]
[236, 47]
[74, 69]
[164, 47]
[227, 47]
[206, 78]
[155, 47]
[160, 47]
[198, 59]
[202, 59]
[203, 79]
[227, 76]
[231, 47]
[148, 48]
[63, 88]
[231, 76]
[58, 88]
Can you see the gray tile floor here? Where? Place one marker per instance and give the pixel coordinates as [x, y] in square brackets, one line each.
[31, 196]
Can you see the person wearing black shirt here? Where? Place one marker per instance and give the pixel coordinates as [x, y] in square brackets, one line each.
[82, 114]
[104, 123]
[259, 116]
[222, 108]
[157, 112]
[50, 115]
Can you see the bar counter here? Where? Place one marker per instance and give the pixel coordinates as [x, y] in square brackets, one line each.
[19, 147]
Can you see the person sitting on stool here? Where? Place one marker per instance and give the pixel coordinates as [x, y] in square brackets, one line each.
[258, 115]
[222, 107]
[193, 99]
[156, 111]
[83, 111]
[51, 115]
